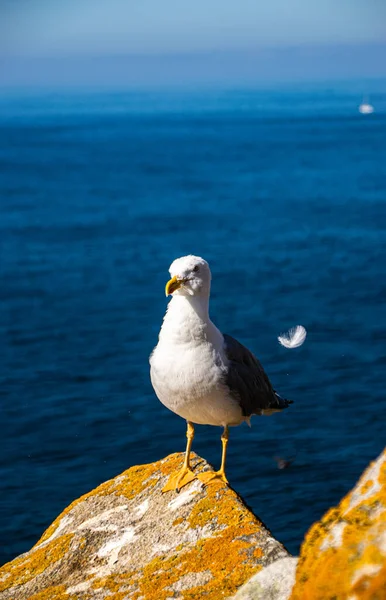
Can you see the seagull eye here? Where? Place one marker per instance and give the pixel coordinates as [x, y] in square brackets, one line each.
[196, 268]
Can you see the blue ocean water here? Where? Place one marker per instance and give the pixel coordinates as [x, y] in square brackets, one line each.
[283, 191]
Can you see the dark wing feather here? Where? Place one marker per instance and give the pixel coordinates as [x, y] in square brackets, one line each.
[248, 381]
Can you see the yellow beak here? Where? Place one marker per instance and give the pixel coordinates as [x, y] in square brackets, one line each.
[172, 285]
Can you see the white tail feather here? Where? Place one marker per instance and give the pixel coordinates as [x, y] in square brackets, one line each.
[294, 337]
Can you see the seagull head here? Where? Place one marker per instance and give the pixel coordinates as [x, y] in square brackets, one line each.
[190, 276]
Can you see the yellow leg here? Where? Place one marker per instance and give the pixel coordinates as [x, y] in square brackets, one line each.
[207, 476]
[186, 475]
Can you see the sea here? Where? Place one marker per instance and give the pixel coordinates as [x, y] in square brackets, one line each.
[283, 190]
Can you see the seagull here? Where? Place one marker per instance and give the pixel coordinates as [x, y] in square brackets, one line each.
[204, 376]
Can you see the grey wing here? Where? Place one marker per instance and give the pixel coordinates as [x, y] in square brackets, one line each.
[248, 382]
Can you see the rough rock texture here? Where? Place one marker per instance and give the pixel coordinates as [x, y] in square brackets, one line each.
[274, 582]
[127, 540]
[343, 556]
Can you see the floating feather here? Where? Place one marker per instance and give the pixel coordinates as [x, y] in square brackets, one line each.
[294, 337]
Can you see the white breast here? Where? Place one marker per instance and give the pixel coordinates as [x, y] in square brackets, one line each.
[188, 380]
[188, 368]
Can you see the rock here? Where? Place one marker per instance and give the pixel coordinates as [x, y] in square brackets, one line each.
[274, 582]
[344, 555]
[126, 539]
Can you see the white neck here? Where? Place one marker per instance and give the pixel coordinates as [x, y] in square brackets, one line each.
[197, 304]
[186, 319]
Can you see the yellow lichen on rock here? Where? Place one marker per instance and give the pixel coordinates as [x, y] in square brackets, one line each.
[126, 539]
[57, 592]
[343, 556]
[29, 566]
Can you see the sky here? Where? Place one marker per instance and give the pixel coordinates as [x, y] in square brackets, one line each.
[41, 30]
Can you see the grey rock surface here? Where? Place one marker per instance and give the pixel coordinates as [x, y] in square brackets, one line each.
[128, 540]
[274, 582]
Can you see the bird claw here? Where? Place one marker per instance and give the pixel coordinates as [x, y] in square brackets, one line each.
[176, 482]
[209, 476]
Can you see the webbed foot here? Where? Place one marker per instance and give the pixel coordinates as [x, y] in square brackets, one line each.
[209, 476]
[176, 482]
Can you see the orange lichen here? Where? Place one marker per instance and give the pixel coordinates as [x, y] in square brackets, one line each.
[257, 553]
[220, 504]
[114, 584]
[371, 587]
[366, 486]
[56, 592]
[172, 464]
[329, 566]
[25, 568]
